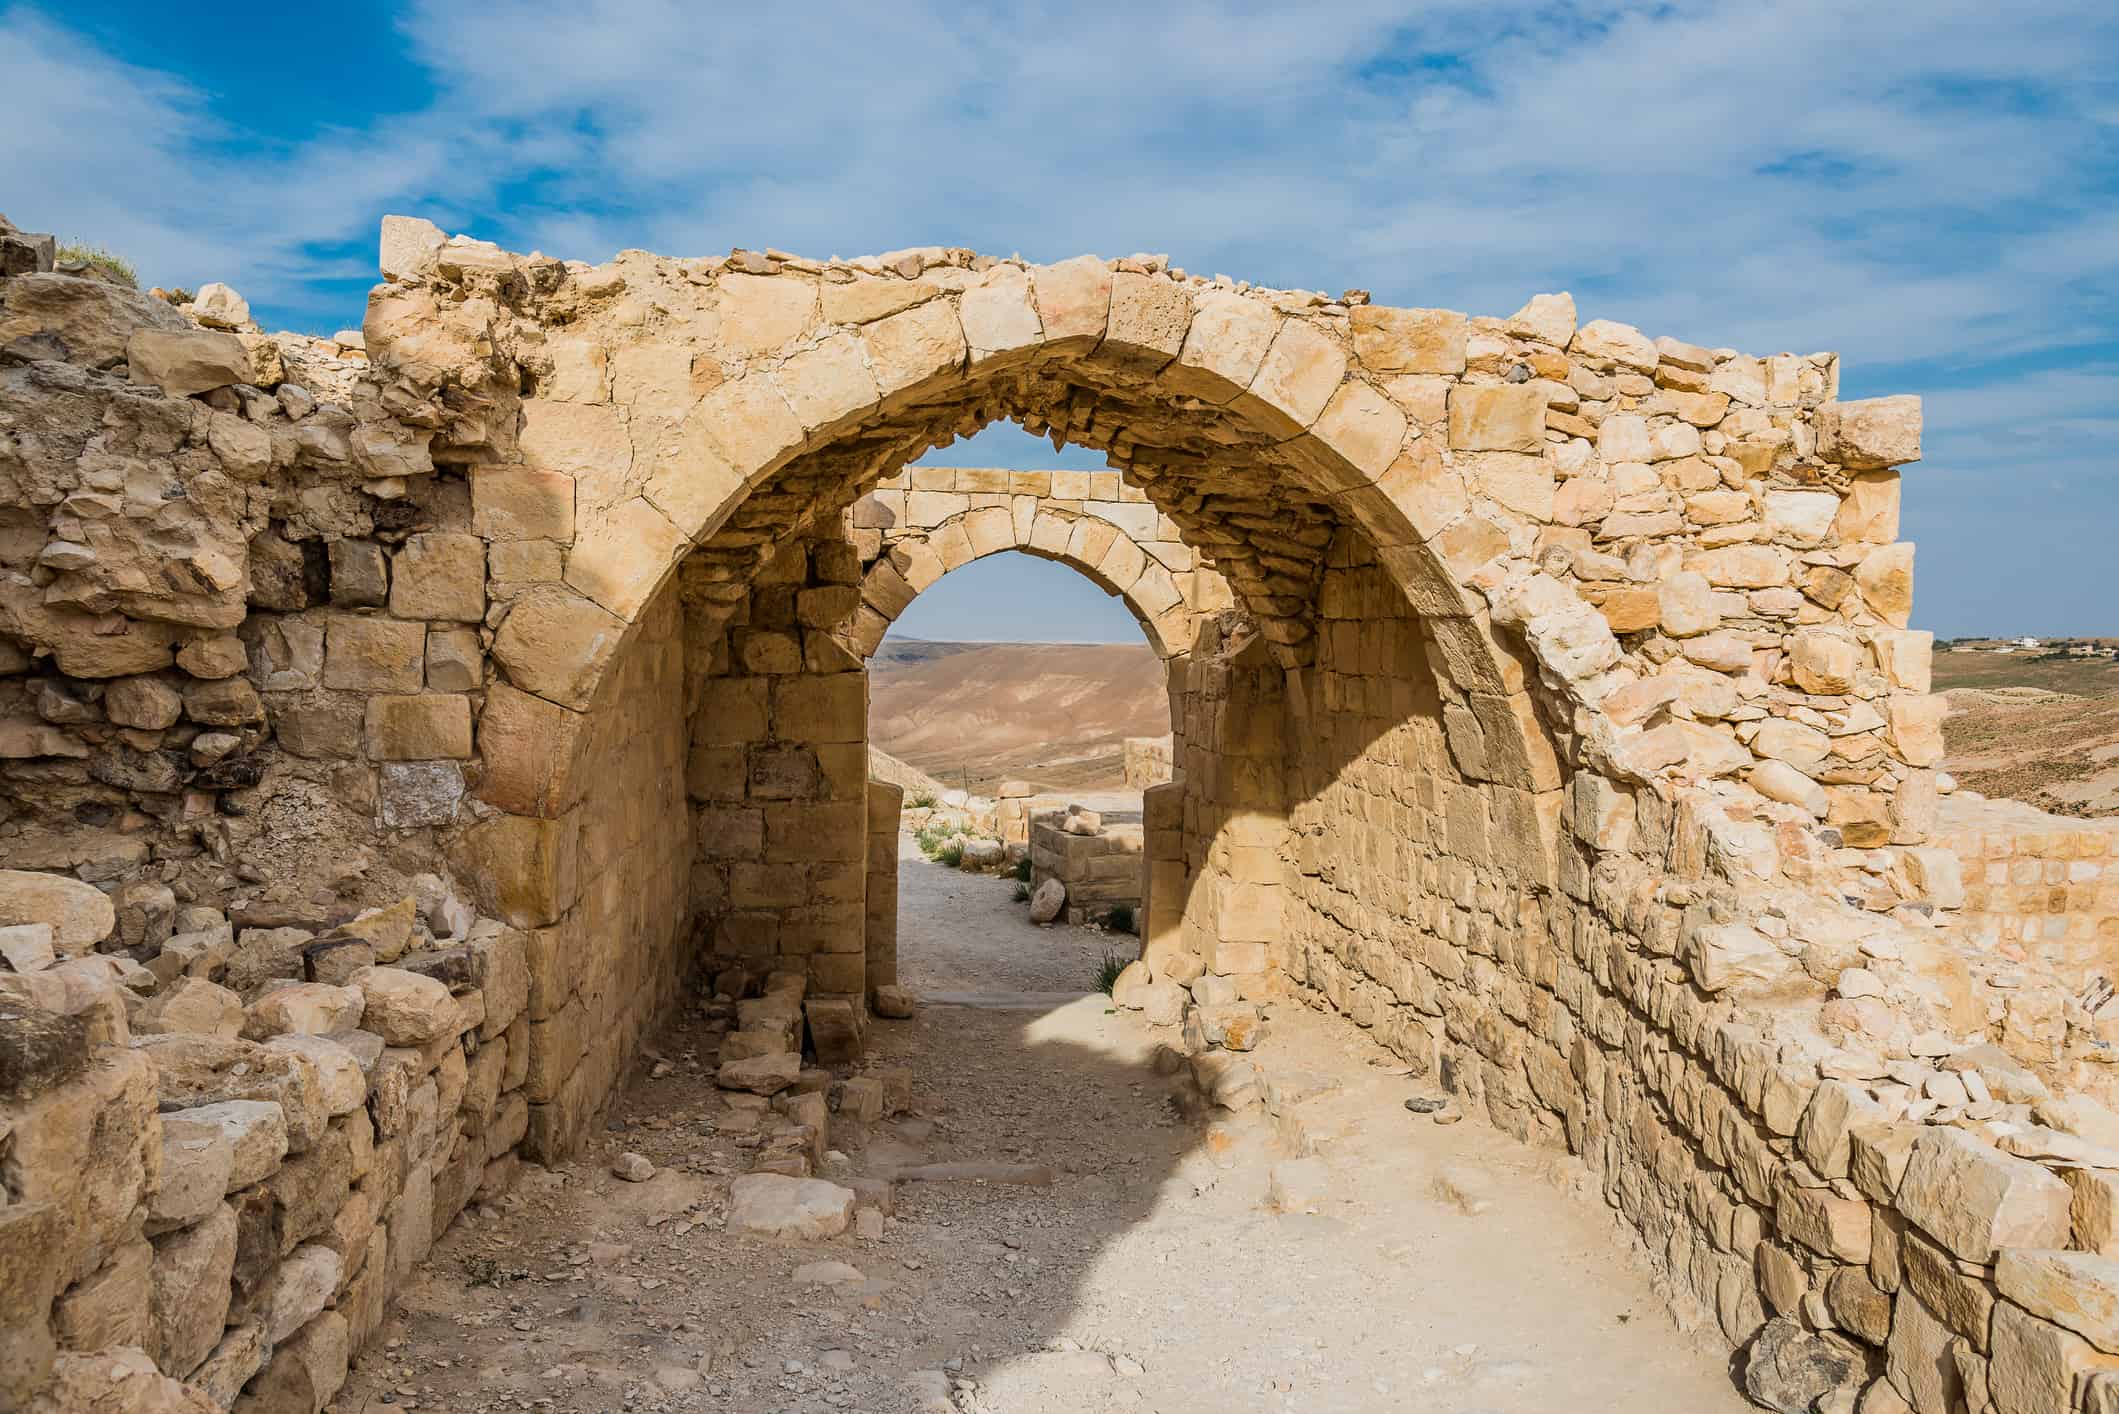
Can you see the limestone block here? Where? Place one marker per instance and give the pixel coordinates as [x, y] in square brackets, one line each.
[1388, 340]
[1885, 579]
[80, 915]
[27, 947]
[1620, 344]
[190, 1004]
[255, 1132]
[189, 1292]
[415, 793]
[310, 1008]
[1916, 727]
[1778, 780]
[418, 726]
[144, 702]
[2034, 1365]
[1824, 661]
[187, 362]
[1734, 956]
[341, 1082]
[1509, 417]
[297, 1290]
[553, 643]
[779, 1206]
[375, 655]
[109, 1306]
[29, 1279]
[1301, 370]
[1976, 1200]
[522, 503]
[439, 575]
[2078, 1290]
[198, 1159]
[406, 1009]
[621, 555]
[121, 1379]
[1870, 434]
[408, 246]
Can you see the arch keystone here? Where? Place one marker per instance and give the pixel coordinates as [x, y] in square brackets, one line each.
[1073, 302]
[1000, 318]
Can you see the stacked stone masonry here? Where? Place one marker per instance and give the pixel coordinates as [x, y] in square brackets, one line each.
[1542, 699]
[1100, 862]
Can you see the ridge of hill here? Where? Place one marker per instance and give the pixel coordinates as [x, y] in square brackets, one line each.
[1053, 714]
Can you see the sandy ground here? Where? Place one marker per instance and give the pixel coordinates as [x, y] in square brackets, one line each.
[1149, 1277]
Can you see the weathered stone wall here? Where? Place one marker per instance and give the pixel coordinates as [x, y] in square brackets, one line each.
[778, 773]
[1100, 866]
[885, 803]
[2032, 885]
[227, 1193]
[611, 941]
[1149, 761]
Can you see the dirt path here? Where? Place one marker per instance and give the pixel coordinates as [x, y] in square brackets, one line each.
[1149, 1277]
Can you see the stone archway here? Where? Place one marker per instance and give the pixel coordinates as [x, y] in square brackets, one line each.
[917, 526]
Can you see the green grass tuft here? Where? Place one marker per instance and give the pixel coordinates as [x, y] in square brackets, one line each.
[1022, 869]
[951, 855]
[1022, 893]
[96, 257]
[923, 801]
[1107, 974]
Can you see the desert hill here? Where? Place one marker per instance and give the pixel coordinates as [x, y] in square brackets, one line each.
[2043, 729]
[1053, 714]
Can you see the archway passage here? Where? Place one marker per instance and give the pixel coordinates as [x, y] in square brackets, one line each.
[1002, 811]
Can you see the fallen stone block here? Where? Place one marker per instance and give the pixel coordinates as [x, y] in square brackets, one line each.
[760, 1075]
[80, 915]
[778, 1206]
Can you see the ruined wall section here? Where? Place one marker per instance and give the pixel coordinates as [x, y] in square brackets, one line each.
[608, 916]
[778, 772]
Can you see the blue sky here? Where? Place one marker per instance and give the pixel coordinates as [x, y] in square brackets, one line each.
[1931, 190]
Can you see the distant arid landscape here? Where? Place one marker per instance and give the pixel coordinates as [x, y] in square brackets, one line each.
[2040, 727]
[2033, 726]
[1052, 714]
